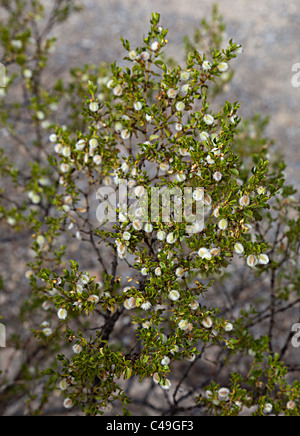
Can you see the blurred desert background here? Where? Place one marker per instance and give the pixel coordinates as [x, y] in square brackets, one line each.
[268, 30]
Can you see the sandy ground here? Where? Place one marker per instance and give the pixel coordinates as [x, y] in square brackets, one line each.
[269, 31]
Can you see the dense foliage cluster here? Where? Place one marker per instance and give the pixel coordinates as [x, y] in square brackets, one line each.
[116, 162]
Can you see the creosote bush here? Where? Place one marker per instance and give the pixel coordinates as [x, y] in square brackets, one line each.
[148, 298]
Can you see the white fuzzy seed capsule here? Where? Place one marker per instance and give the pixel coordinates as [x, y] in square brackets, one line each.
[164, 167]
[137, 225]
[238, 248]
[198, 194]
[138, 105]
[268, 408]
[252, 261]
[171, 239]
[204, 254]
[158, 272]
[148, 228]
[155, 46]
[156, 378]
[80, 145]
[172, 93]
[139, 191]
[174, 295]
[179, 272]
[223, 394]
[118, 91]
[130, 303]
[185, 75]
[263, 259]
[68, 403]
[161, 235]
[166, 384]
[217, 176]
[125, 134]
[204, 136]
[126, 236]
[208, 119]
[64, 168]
[62, 314]
[97, 159]
[223, 224]
[94, 107]
[223, 67]
[180, 106]
[93, 143]
[244, 201]
[207, 322]
[228, 327]
[165, 360]
[132, 55]
[206, 66]
[53, 138]
[77, 349]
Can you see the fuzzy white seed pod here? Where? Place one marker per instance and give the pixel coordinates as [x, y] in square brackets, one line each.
[155, 46]
[171, 239]
[204, 136]
[80, 145]
[94, 107]
[47, 332]
[252, 261]
[183, 325]
[156, 378]
[161, 235]
[263, 259]
[223, 224]
[198, 194]
[172, 93]
[130, 303]
[138, 105]
[238, 248]
[62, 314]
[204, 253]
[148, 228]
[165, 361]
[174, 295]
[228, 327]
[68, 403]
[97, 159]
[223, 67]
[146, 306]
[208, 119]
[244, 201]
[217, 176]
[77, 348]
[139, 191]
[207, 322]
[223, 394]
[164, 167]
[137, 225]
[125, 134]
[206, 66]
[268, 408]
[180, 106]
[158, 272]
